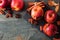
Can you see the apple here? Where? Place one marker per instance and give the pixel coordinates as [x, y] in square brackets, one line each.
[50, 29]
[17, 5]
[50, 16]
[9, 2]
[3, 3]
[37, 12]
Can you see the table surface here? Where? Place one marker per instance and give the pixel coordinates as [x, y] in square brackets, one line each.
[20, 29]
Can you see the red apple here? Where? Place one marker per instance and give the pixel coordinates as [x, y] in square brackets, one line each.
[9, 2]
[50, 16]
[50, 29]
[17, 5]
[37, 12]
[3, 3]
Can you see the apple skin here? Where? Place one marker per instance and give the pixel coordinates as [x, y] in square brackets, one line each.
[9, 2]
[50, 16]
[3, 3]
[37, 12]
[17, 5]
[50, 29]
